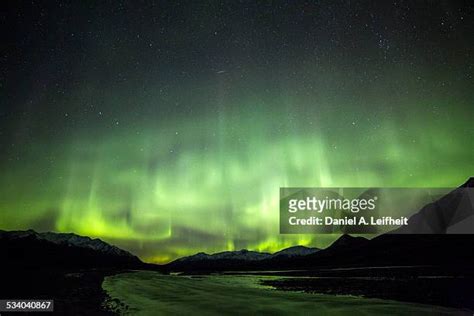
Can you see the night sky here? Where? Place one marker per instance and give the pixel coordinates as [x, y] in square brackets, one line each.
[168, 127]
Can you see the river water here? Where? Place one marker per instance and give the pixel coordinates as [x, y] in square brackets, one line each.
[151, 293]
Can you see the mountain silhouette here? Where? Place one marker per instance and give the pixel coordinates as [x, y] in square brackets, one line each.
[241, 259]
[294, 251]
[29, 249]
[243, 255]
[452, 214]
[347, 241]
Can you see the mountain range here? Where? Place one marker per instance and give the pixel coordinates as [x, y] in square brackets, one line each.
[30, 249]
[246, 255]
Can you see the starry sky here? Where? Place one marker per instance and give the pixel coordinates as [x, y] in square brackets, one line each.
[168, 127]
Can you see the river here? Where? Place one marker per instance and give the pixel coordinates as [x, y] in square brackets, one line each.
[152, 293]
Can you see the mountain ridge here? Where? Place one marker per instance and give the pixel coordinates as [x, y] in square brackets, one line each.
[62, 250]
[69, 239]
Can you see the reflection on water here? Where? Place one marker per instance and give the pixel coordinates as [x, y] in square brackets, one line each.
[151, 293]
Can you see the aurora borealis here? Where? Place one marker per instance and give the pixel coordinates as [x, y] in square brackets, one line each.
[168, 128]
